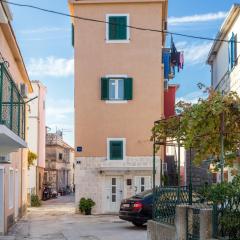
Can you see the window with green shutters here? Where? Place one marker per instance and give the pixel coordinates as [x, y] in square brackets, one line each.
[232, 51]
[116, 150]
[116, 89]
[117, 29]
[72, 35]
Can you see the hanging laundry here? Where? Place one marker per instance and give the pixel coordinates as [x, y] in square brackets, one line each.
[166, 62]
[181, 61]
[174, 53]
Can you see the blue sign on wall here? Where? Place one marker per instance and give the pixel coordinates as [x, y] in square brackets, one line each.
[79, 149]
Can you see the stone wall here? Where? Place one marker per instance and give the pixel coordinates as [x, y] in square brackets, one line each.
[159, 231]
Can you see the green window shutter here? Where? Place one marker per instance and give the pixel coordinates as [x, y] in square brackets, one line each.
[117, 28]
[128, 89]
[72, 35]
[116, 150]
[235, 49]
[104, 88]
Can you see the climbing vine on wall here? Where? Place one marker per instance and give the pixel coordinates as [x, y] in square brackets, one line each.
[31, 158]
[199, 126]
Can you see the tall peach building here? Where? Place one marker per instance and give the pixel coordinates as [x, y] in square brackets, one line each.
[119, 93]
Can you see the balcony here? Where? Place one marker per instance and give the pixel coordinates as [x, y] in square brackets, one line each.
[12, 114]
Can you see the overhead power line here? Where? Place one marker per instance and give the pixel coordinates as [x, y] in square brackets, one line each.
[106, 22]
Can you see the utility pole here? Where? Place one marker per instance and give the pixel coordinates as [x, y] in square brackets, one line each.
[222, 160]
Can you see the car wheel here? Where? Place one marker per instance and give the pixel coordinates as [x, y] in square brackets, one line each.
[138, 224]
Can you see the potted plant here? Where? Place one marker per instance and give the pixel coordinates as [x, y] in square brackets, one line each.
[85, 205]
[35, 201]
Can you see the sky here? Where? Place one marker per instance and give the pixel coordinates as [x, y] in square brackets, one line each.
[45, 42]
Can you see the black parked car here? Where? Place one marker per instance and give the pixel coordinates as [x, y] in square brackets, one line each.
[137, 209]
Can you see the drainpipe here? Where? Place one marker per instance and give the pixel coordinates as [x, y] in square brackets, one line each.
[21, 167]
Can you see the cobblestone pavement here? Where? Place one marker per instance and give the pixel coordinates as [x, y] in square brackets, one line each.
[56, 220]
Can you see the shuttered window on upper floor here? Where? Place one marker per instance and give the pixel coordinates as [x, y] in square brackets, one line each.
[116, 89]
[232, 51]
[117, 30]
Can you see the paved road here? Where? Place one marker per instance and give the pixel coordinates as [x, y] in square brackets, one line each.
[56, 220]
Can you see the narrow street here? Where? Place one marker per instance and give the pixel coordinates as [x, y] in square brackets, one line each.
[56, 220]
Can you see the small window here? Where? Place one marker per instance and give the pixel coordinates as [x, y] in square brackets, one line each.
[113, 198]
[113, 181]
[116, 89]
[113, 189]
[60, 156]
[117, 29]
[129, 182]
[116, 150]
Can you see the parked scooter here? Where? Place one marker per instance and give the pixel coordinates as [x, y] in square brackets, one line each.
[54, 194]
[47, 193]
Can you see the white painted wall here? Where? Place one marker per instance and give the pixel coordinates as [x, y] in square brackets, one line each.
[220, 63]
[220, 67]
[36, 131]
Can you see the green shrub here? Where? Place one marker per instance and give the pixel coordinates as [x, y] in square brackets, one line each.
[85, 205]
[35, 201]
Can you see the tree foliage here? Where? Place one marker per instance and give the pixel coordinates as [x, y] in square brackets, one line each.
[199, 126]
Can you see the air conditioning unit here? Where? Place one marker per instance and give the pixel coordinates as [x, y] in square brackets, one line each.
[24, 90]
[5, 159]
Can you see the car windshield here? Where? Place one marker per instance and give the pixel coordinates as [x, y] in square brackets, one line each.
[144, 194]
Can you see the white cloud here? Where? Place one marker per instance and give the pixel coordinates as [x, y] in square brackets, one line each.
[194, 53]
[60, 109]
[197, 18]
[59, 115]
[192, 97]
[43, 30]
[50, 66]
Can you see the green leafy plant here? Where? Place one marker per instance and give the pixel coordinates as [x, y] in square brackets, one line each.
[31, 158]
[199, 126]
[35, 201]
[85, 205]
[226, 201]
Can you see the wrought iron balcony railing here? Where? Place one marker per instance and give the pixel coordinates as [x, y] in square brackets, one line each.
[12, 107]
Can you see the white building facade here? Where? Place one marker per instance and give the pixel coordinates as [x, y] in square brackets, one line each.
[37, 134]
[225, 64]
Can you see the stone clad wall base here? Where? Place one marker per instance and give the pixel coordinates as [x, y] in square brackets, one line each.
[160, 231]
[91, 174]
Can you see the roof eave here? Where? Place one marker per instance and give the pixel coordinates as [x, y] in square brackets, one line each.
[228, 22]
[11, 38]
